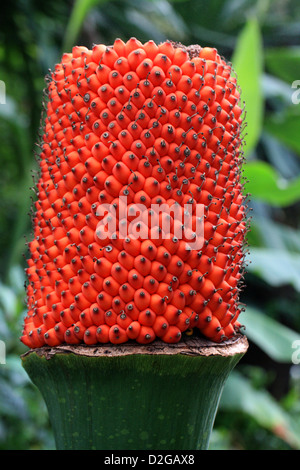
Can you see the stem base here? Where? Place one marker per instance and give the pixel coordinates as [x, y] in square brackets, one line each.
[155, 397]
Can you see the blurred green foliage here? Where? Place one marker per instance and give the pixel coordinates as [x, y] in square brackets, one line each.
[260, 406]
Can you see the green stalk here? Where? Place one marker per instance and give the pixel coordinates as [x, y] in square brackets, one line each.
[108, 397]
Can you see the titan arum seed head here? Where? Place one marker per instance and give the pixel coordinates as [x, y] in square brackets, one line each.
[129, 128]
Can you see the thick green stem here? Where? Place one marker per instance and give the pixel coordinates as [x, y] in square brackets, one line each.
[134, 397]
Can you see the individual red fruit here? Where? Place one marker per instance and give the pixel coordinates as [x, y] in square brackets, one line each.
[146, 335]
[117, 334]
[173, 335]
[50, 338]
[90, 335]
[102, 334]
[133, 330]
[137, 126]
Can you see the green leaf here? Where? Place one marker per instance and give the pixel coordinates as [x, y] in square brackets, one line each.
[267, 185]
[276, 89]
[275, 339]
[277, 267]
[248, 63]
[285, 126]
[271, 234]
[12, 404]
[239, 395]
[283, 62]
[80, 10]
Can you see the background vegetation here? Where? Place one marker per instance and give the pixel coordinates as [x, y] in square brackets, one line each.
[260, 407]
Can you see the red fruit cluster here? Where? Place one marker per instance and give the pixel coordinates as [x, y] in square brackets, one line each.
[159, 124]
